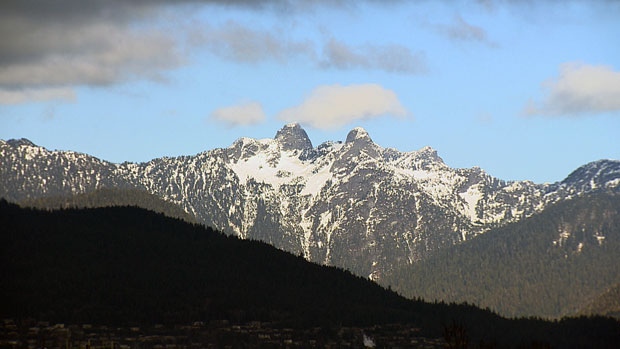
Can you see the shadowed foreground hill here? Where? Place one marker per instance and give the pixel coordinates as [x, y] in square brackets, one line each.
[125, 265]
[106, 197]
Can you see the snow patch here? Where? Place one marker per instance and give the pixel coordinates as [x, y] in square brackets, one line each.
[599, 238]
[357, 133]
[563, 236]
[613, 183]
[276, 167]
[325, 218]
[368, 341]
[471, 198]
[316, 181]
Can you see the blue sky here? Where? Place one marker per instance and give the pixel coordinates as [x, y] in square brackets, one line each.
[523, 89]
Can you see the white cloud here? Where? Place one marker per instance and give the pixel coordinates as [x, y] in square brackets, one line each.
[333, 106]
[247, 113]
[36, 95]
[580, 89]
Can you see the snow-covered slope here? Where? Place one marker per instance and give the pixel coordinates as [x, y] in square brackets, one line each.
[355, 204]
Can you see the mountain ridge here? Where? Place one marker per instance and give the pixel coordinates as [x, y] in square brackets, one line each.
[109, 197]
[355, 204]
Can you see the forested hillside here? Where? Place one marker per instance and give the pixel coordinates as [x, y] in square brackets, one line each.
[106, 197]
[607, 303]
[125, 265]
[550, 265]
[128, 265]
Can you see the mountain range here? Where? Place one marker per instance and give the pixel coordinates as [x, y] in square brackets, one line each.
[353, 204]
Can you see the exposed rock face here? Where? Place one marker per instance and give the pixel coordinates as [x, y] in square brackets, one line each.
[293, 137]
[354, 204]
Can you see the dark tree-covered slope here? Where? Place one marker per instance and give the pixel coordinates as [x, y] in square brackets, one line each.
[117, 264]
[106, 197]
[125, 265]
[606, 303]
[549, 265]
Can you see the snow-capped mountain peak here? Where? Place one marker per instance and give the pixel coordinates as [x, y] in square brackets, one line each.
[20, 142]
[357, 134]
[595, 175]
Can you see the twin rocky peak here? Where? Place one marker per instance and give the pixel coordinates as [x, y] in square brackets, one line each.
[294, 137]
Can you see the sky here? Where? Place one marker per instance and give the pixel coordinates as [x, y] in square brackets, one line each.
[526, 90]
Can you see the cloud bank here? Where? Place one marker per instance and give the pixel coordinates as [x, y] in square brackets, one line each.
[55, 46]
[580, 89]
[333, 106]
[389, 58]
[243, 114]
[239, 43]
[65, 44]
[38, 95]
[94, 54]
